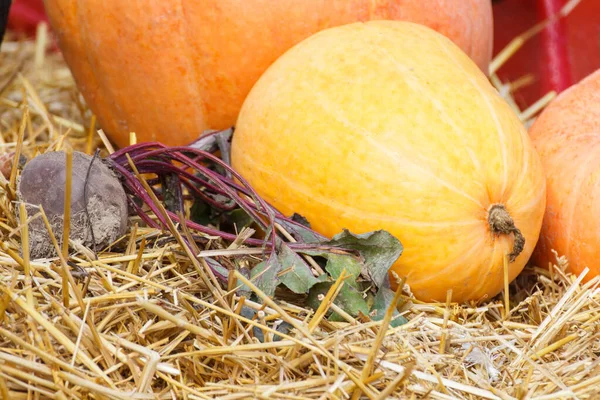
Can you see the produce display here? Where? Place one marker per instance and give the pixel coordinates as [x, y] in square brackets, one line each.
[168, 71]
[566, 136]
[388, 124]
[316, 199]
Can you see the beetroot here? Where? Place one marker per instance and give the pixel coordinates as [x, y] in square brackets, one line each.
[173, 176]
[42, 183]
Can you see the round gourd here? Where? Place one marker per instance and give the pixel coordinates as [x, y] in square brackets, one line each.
[389, 125]
[567, 137]
[168, 70]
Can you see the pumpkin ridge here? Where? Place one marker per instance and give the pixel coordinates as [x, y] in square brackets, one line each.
[295, 186]
[526, 163]
[480, 280]
[493, 255]
[516, 189]
[443, 113]
[432, 278]
[577, 183]
[520, 208]
[110, 97]
[400, 161]
[485, 96]
[372, 7]
[528, 159]
[469, 30]
[565, 135]
[192, 76]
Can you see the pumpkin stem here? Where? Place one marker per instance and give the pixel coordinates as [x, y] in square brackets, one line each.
[500, 223]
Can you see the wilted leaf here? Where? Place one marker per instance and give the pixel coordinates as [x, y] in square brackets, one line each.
[217, 268]
[336, 263]
[379, 249]
[300, 219]
[279, 325]
[210, 141]
[239, 218]
[349, 299]
[383, 299]
[264, 275]
[202, 213]
[297, 275]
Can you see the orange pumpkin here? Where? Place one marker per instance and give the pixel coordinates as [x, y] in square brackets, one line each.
[567, 137]
[389, 125]
[169, 70]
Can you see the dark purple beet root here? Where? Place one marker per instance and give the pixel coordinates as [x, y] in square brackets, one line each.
[42, 183]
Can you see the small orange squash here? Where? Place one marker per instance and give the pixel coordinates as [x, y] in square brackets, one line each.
[389, 125]
[168, 70]
[567, 137]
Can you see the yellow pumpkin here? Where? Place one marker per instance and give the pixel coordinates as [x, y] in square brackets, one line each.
[389, 125]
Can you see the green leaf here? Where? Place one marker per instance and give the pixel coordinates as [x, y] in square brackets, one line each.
[216, 266]
[297, 275]
[279, 325]
[377, 252]
[202, 213]
[379, 249]
[300, 219]
[240, 218]
[264, 275]
[336, 263]
[383, 299]
[349, 299]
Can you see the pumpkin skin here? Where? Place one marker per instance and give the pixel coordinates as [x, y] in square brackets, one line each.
[389, 125]
[567, 136]
[169, 70]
